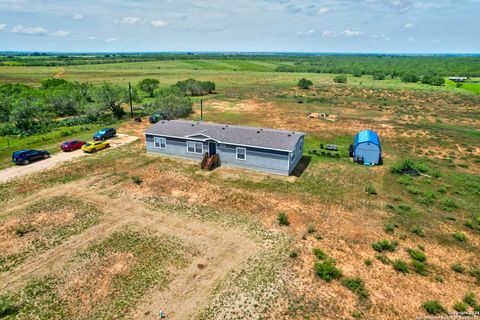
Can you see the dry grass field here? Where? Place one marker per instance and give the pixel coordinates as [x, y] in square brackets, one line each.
[123, 234]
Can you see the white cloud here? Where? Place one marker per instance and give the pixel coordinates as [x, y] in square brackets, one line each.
[158, 23]
[92, 38]
[33, 31]
[306, 33]
[329, 34]
[381, 36]
[77, 16]
[61, 33]
[128, 20]
[324, 10]
[409, 25]
[2, 26]
[112, 40]
[351, 33]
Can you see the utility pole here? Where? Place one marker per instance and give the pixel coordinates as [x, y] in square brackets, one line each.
[130, 96]
[201, 110]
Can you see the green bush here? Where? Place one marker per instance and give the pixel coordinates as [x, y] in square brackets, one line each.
[417, 255]
[410, 77]
[6, 306]
[419, 267]
[408, 164]
[340, 79]
[400, 266]
[24, 229]
[283, 219]
[385, 245]
[293, 254]
[137, 180]
[458, 268]
[368, 262]
[327, 270]
[389, 227]
[434, 307]
[460, 236]
[356, 285]
[460, 306]
[310, 228]
[370, 190]
[319, 254]
[475, 273]
[382, 258]
[448, 204]
[304, 83]
[470, 299]
[419, 231]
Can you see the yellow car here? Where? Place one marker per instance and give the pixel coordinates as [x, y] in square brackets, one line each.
[94, 146]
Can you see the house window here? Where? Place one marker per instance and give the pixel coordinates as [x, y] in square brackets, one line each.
[241, 154]
[160, 143]
[194, 147]
[294, 154]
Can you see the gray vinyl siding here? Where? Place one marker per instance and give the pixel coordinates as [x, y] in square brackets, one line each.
[369, 151]
[259, 159]
[298, 155]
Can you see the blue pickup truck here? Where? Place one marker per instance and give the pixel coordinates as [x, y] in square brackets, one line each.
[28, 155]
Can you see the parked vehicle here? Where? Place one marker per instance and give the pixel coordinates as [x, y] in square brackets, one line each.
[157, 116]
[28, 155]
[104, 134]
[94, 146]
[71, 145]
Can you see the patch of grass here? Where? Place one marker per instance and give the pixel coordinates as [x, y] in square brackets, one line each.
[470, 299]
[7, 307]
[368, 262]
[417, 255]
[327, 270]
[370, 190]
[385, 245]
[24, 229]
[475, 273]
[448, 204]
[283, 219]
[457, 267]
[356, 285]
[408, 164]
[400, 266]
[137, 180]
[319, 254]
[434, 307]
[419, 231]
[460, 306]
[293, 254]
[390, 227]
[419, 267]
[311, 228]
[460, 237]
[413, 190]
[383, 258]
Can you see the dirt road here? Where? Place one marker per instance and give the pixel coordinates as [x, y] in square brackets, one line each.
[20, 170]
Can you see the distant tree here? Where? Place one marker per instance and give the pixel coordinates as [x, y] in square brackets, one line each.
[194, 87]
[379, 75]
[149, 86]
[173, 105]
[433, 79]
[9, 93]
[304, 84]
[29, 112]
[111, 96]
[357, 73]
[53, 83]
[410, 77]
[437, 81]
[340, 79]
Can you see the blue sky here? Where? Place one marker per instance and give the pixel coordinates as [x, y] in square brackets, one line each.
[389, 26]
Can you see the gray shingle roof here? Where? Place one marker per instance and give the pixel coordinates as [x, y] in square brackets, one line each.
[229, 134]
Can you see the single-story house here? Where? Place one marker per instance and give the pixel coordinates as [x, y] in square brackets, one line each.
[458, 79]
[366, 147]
[275, 151]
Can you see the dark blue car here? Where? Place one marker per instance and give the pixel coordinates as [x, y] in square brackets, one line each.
[104, 134]
[28, 155]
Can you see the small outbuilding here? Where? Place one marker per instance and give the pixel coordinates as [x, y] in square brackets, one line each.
[366, 148]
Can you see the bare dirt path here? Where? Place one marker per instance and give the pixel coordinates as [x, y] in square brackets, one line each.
[220, 251]
[59, 74]
[19, 170]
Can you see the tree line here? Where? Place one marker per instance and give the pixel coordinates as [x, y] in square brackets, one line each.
[26, 110]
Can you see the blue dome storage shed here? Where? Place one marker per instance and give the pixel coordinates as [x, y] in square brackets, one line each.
[367, 147]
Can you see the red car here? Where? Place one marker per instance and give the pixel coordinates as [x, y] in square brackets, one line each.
[71, 145]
